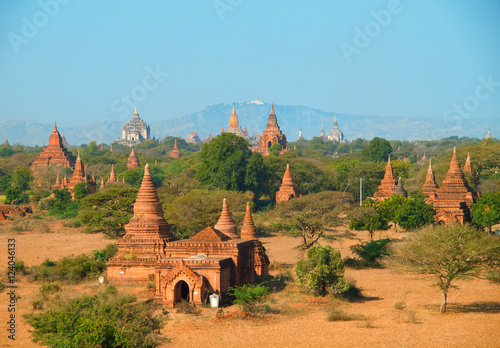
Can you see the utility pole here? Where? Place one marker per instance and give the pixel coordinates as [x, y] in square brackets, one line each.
[360, 192]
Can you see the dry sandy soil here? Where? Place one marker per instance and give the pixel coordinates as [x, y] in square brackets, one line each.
[473, 319]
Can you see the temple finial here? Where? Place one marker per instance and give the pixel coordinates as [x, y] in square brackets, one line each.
[135, 111]
[55, 126]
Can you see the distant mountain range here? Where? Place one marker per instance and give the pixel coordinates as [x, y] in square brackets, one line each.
[254, 116]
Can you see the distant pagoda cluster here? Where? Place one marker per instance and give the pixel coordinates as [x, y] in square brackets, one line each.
[134, 131]
[452, 200]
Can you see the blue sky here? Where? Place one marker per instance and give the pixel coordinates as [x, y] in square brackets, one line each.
[79, 62]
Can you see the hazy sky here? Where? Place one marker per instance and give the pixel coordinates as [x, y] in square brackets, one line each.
[78, 62]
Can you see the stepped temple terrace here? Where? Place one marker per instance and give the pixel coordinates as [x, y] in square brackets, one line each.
[189, 269]
[55, 153]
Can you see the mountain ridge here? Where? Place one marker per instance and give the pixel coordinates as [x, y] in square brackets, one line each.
[253, 115]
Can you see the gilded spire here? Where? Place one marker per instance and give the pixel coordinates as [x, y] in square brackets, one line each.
[233, 121]
[135, 111]
[248, 230]
[226, 224]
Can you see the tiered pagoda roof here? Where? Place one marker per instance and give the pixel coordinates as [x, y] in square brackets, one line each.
[55, 153]
[388, 184]
[287, 189]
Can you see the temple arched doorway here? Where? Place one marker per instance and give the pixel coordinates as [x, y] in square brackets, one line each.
[181, 292]
[269, 144]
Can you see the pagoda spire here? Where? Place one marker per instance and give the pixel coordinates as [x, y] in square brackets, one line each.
[112, 175]
[233, 121]
[287, 189]
[135, 111]
[248, 230]
[226, 224]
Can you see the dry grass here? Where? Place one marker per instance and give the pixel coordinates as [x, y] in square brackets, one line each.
[299, 320]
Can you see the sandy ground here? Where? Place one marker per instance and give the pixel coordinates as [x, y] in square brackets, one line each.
[473, 319]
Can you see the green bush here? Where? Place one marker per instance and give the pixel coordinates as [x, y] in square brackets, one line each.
[371, 252]
[69, 269]
[248, 296]
[105, 254]
[322, 272]
[103, 320]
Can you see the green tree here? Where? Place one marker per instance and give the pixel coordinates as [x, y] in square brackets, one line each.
[486, 211]
[275, 150]
[368, 219]
[81, 190]
[22, 177]
[322, 272]
[14, 195]
[448, 253]
[224, 161]
[408, 212]
[378, 150]
[256, 175]
[6, 151]
[371, 252]
[108, 211]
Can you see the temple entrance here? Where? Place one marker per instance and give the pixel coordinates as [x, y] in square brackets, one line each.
[181, 292]
[269, 144]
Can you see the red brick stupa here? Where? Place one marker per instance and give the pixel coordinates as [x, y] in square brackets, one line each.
[248, 230]
[133, 161]
[453, 199]
[287, 190]
[226, 223]
[271, 135]
[145, 237]
[175, 153]
[112, 175]
[55, 153]
[387, 185]
[430, 186]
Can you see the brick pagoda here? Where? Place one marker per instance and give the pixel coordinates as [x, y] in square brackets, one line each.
[387, 185]
[55, 153]
[78, 177]
[271, 135]
[133, 161]
[175, 153]
[188, 269]
[430, 186]
[146, 236]
[287, 189]
[453, 199]
[112, 175]
[226, 223]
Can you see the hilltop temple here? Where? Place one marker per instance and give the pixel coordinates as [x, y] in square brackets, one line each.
[454, 198]
[271, 135]
[335, 134]
[287, 189]
[388, 184]
[134, 131]
[55, 153]
[189, 269]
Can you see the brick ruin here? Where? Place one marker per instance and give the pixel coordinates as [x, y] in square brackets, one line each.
[189, 269]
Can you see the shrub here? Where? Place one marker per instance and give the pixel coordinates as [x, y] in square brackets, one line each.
[322, 272]
[371, 252]
[248, 296]
[37, 304]
[69, 269]
[2, 286]
[73, 223]
[186, 307]
[337, 314]
[103, 320]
